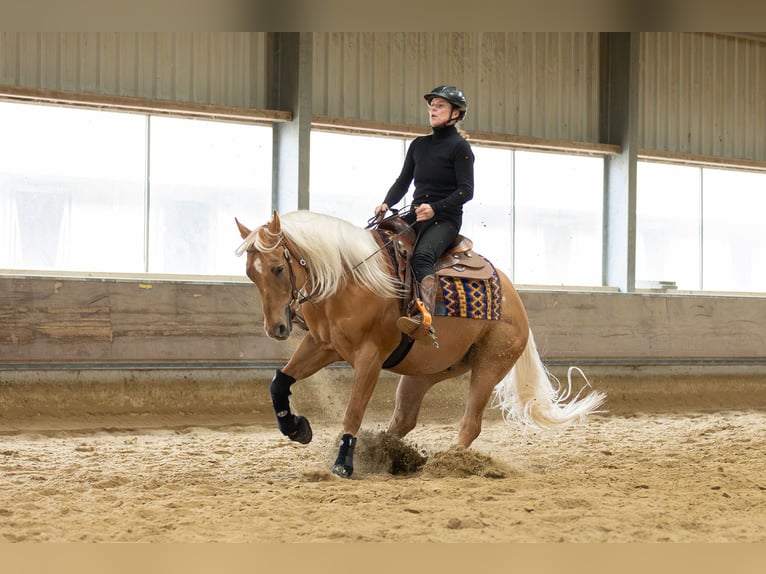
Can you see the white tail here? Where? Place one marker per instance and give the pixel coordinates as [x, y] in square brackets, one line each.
[527, 395]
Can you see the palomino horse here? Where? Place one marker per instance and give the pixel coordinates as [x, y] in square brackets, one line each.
[333, 276]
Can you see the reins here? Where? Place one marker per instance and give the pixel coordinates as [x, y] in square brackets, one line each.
[375, 221]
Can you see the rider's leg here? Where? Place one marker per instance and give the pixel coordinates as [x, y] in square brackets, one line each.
[433, 240]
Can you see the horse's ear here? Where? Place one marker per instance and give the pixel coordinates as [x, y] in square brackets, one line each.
[243, 231]
[275, 226]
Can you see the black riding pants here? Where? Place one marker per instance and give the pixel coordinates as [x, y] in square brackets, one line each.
[434, 238]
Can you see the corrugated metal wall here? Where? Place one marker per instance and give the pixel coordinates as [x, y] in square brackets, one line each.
[703, 94]
[218, 68]
[532, 84]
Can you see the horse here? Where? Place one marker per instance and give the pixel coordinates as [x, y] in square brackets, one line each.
[335, 280]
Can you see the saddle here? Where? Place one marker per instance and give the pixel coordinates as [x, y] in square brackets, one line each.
[458, 261]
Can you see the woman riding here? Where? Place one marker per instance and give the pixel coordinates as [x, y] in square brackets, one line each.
[442, 166]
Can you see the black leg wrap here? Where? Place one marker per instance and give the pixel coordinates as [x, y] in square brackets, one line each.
[280, 391]
[344, 464]
[296, 428]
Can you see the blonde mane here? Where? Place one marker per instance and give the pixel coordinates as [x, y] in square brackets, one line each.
[334, 250]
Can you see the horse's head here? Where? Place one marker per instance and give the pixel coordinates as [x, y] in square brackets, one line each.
[269, 267]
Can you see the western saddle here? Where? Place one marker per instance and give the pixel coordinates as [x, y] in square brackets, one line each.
[458, 261]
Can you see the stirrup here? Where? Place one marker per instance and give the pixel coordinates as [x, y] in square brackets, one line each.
[425, 316]
[418, 326]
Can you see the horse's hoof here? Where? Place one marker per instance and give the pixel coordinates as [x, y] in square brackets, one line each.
[342, 470]
[303, 434]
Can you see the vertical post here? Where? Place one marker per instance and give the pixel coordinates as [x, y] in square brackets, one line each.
[619, 117]
[147, 188]
[291, 87]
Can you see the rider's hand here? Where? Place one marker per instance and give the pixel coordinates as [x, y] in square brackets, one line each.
[380, 211]
[423, 212]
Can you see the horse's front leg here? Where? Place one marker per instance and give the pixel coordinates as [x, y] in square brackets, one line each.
[367, 366]
[307, 359]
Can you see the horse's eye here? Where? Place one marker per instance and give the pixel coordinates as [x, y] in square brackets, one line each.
[278, 270]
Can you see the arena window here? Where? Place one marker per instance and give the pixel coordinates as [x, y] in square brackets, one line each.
[114, 192]
[85, 190]
[698, 228]
[553, 238]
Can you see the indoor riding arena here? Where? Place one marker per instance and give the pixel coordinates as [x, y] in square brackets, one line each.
[135, 370]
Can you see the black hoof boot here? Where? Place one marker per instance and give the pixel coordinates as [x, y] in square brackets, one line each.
[344, 464]
[296, 428]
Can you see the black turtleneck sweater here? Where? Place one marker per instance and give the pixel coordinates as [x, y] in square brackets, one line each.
[442, 166]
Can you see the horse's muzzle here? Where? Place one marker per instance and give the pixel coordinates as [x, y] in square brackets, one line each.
[281, 329]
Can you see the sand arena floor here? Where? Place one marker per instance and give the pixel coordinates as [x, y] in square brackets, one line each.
[681, 477]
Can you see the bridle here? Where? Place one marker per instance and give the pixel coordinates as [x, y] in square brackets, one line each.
[297, 296]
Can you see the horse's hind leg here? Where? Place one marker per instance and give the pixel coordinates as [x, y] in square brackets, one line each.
[409, 397]
[489, 367]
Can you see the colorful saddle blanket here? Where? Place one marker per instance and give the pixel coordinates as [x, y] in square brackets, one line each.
[470, 298]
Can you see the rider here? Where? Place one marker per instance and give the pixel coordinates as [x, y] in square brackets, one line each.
[442, 166]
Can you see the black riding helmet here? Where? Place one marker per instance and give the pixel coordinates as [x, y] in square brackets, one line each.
[453, 95]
